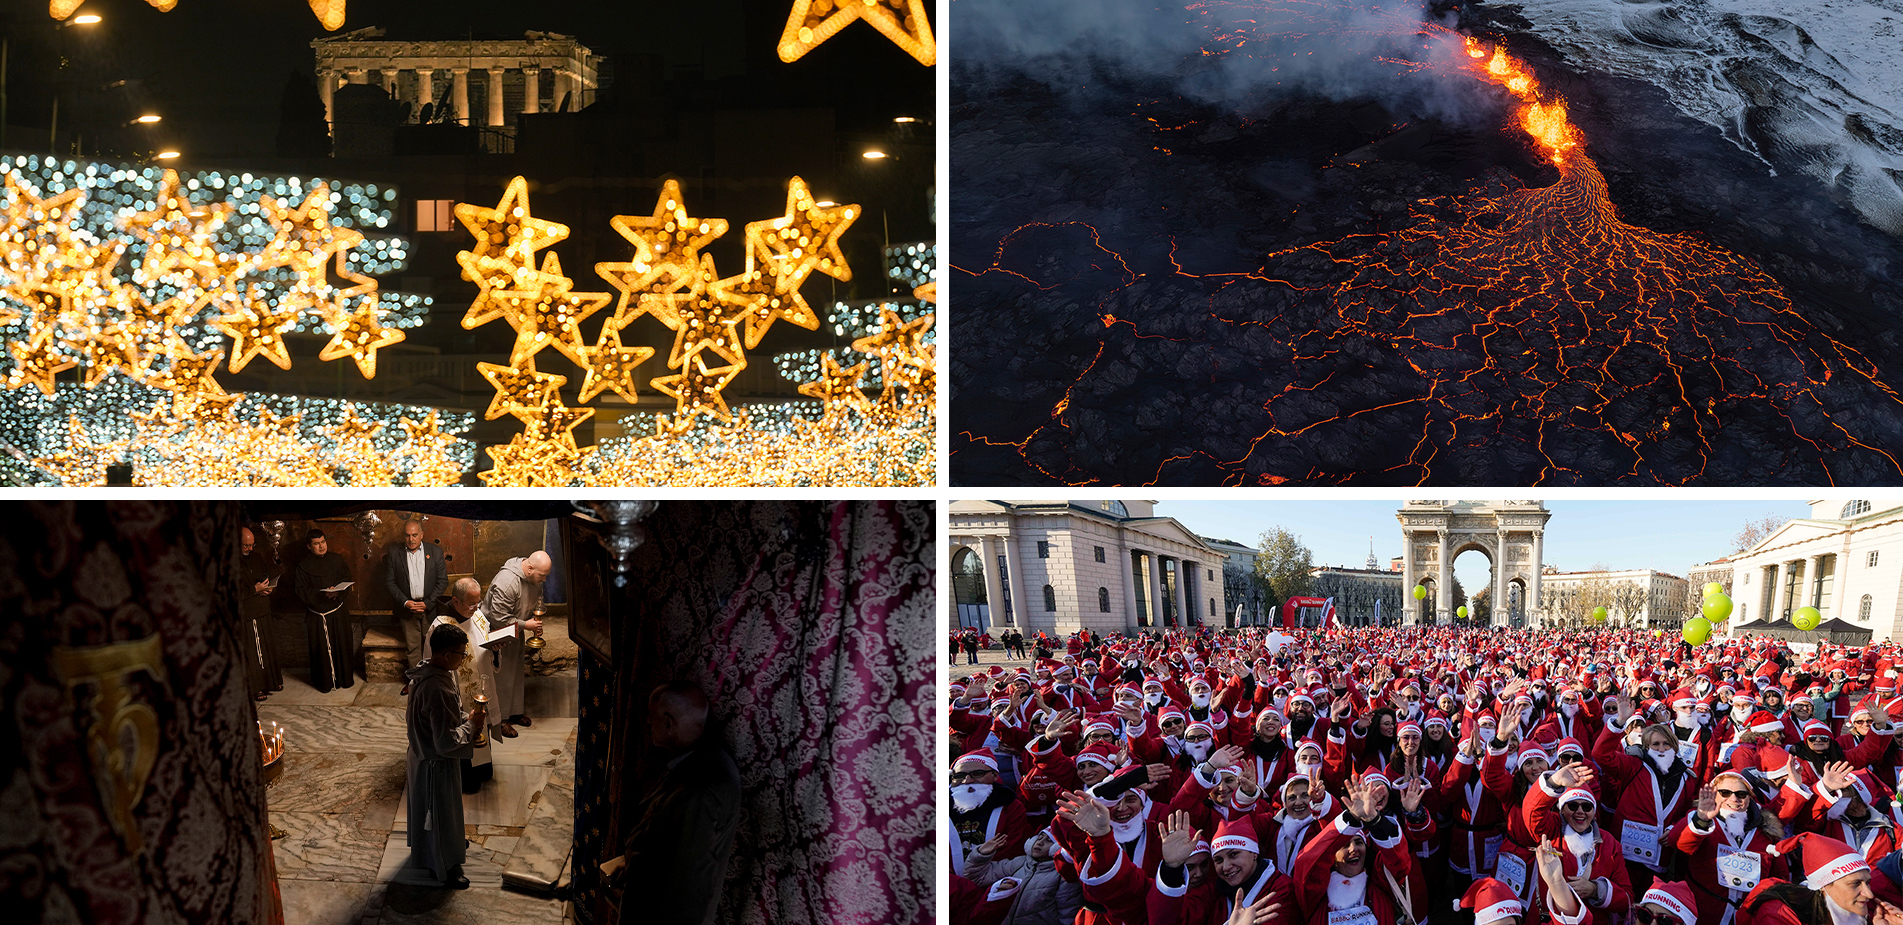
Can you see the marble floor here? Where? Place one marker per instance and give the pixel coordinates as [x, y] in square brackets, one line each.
[344, 858]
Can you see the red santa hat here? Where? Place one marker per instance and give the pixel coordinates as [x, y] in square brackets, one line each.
[1677, 899]
[983, 756]
[1869, 789]
[1407, 727]
[1829, 860]
[1377, 777]
[1774, 761]
[1191, 729]
[1098, 754]
[1169, 711]
[1763, 721]
[1815, 728]
[1202, 848]
[1236, 833]
[1309, 743]
[1568, 744]
[1683, 698]
[1576, 794]
[1491, 901]
[1302, 697]
[1530, 749]
[1100, 722]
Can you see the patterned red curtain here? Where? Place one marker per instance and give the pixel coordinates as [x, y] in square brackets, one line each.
[810, 625]
[130, 784]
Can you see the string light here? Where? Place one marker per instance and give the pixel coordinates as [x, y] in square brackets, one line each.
[330, 13]
[815, 21]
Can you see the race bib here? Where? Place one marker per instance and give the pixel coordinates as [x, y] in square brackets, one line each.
[1739, 870]
[1511, 870]
[1353, 915]
[1640, 843]
[1492, 853]
[1689, 752]
[1725, 750]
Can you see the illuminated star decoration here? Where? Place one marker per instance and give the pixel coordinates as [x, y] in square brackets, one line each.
[789, 249]
[696, 389]
[902, 21]
[428, 447]
[666, 245]
[549, 314]
[36, 362]
[503, 257]
[330, 13]
[517, 387]
[837, 387]
[259, 331]
[358, 335]
[611, 366]
[904, 361]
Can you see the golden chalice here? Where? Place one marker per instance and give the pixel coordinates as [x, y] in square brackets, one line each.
[536, 641]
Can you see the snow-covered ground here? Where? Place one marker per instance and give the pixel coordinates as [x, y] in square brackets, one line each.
[1814, 87]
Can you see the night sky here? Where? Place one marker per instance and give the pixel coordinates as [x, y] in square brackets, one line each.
[215, 69]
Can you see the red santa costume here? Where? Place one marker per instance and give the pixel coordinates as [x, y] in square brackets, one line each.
[1166, 904]
[1375, 896]
[1590, 855]
[982, 812]
[1829, 860]
[1874, 834]
[1726, 856]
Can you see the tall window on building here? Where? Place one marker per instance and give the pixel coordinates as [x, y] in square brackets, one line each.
[1790, 588]
[1103, 600]
[1820, 586]
[1853, 508]
[1870, 561]
[1043, 549]
[1050, 599]
[1212, 608]
[1099, 550]
[435, 215]
[1863, 609]
[1004, 588]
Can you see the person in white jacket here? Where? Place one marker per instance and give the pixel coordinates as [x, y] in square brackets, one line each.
[1046, 897]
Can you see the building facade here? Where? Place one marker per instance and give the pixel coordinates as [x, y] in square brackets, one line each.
[1062, 566]
[1846, 560]
[1718, 570]
[1363, 596]
[541, 72]
[1511, 534]
[1245, 601]
[1633, 598]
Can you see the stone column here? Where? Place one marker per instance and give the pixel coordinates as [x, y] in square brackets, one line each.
[425, 88]
[1410, 608]
[1533, 588]
[495, 97]
[1499, 615]
[1811, 590]
[356, 75]
[459, 92]
[531, 88]
[1444, 586]
[564, 83]
[994, 590]
[1127, 573]
[326, 90]
[1177, 596]
[1190, 576]
[389, 80]
[1020, 616]
[1155, 568]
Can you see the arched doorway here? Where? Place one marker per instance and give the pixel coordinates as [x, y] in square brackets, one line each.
[1423, 609]
[968, 589]
[1473, 581]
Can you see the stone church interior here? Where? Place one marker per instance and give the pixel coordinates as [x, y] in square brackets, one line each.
[175, 754]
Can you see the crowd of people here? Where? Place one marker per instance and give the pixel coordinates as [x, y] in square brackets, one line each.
[1415, 775]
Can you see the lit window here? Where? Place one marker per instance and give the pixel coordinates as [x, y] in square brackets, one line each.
[435, 215]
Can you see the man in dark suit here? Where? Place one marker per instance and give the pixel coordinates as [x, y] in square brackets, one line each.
[675, 859]
[415, 576]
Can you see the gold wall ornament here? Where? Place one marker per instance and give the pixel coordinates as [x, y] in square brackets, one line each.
[902, 21]
[122, 735]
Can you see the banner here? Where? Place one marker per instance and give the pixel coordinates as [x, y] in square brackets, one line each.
[1290, 607]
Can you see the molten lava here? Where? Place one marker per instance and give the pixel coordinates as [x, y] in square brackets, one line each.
[1514, 306]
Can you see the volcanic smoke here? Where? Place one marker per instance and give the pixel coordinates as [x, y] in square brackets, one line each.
[1525, 304]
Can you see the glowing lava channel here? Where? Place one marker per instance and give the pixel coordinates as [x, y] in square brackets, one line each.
[1525, 311]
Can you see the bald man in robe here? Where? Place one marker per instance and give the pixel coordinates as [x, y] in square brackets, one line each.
[674, 861]
[513, 598]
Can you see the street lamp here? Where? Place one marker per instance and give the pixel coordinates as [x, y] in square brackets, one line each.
[83, 19]
[52, 132]
[167, 155]
[148, 119]
[873, 155]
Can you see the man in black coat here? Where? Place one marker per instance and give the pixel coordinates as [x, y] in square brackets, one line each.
[415, 576]
[255, 638]
[675, 858]
[333, 645]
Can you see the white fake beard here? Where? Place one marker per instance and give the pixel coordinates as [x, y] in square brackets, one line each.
[1132, 830]
[1281, 704]
[1307, 769]
[1570, 709]
[1733, 821]
[1662, 760]
[967, 797]
[1200, 700]
[1704, 719]
[1152, 699]
[1526, 715]
[1197, 750]
[1686, 721]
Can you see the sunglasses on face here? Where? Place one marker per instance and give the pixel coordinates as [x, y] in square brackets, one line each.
[1733, 794]
[1580, 807]
[1198, 738]
[1823, 739]
[1645, 916]
[1171, 722]
[974, 777]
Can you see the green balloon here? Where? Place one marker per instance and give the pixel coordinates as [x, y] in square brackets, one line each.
[1806, 618]
[1420, 592]
[1599, 615]
[1717, 607]
[1712, 587]
[1462, 610]
[1697, 630]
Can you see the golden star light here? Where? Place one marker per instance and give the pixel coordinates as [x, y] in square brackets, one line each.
[815, 21]
[611, 366]
[359, 335]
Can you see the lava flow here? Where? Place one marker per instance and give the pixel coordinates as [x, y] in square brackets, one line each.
[1523, 315]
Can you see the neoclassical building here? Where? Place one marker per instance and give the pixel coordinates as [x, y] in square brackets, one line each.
[1362, 595]
[541, 72]
[1846, 560]
[1061, 566]
[1251, 606]
[1635, 598]
[1511, 534]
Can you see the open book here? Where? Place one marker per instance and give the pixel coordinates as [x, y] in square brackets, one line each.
[501, 635]
[340, 586]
